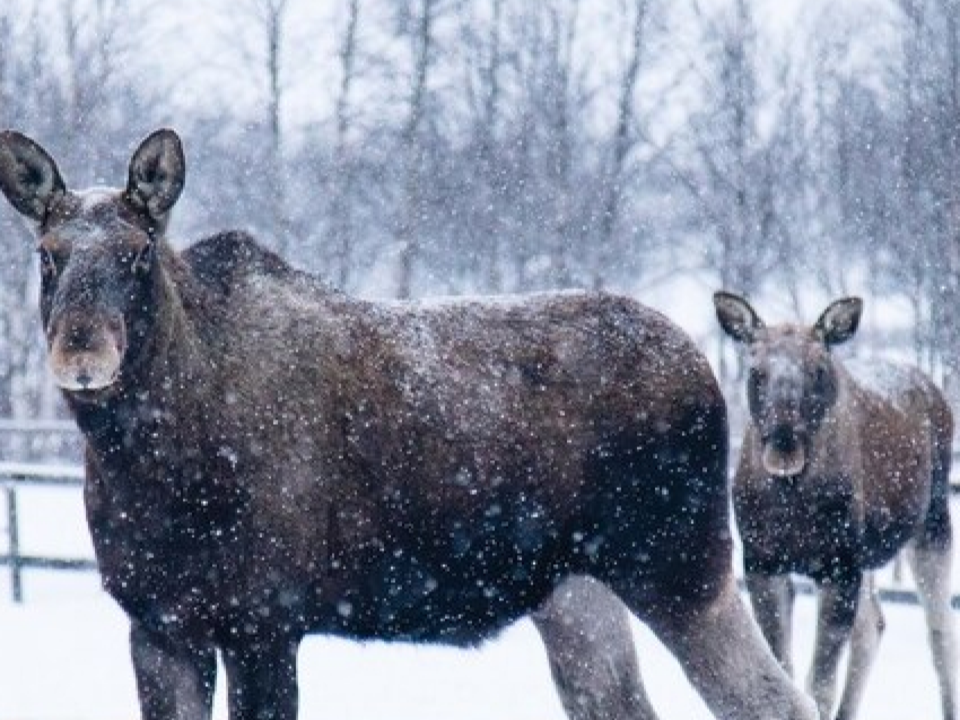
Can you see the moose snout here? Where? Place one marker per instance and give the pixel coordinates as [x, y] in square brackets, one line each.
[784, 450]
[86, 353]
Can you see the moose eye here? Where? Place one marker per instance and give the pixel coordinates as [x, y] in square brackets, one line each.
[821, 376]
[48, 264]
[143, 259]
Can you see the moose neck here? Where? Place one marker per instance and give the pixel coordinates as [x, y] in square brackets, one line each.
[161, 386]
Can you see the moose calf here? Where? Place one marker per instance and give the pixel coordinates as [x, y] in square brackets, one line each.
[839, 469]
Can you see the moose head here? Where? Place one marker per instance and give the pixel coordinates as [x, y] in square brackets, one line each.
[98, 255]
[792, 382]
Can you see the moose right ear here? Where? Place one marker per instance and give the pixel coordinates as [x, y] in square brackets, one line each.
[156, 175]
[28, 175]
[736, 317]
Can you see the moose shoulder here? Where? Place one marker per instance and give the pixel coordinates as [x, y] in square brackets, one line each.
[267, 458]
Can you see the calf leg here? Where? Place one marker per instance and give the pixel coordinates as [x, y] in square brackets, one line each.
[930, 564]
[867, 629]
[586, 632]
[262, 678]
[175, 680]
[772, 599]
[721, 650]
[837, 611]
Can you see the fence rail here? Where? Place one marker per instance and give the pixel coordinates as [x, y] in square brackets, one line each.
[37, 441]
[16, 476]
[13, 477]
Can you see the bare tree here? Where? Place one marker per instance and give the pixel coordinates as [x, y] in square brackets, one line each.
[624, 139]
[418, 27]
[925, 253]
[342, 189]
[559, 76]
[721, 162]
[256, 31]
[485, 63]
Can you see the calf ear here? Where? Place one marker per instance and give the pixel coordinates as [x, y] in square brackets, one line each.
[28, 175]
[157, 171]
[839, 321]
[736, 317]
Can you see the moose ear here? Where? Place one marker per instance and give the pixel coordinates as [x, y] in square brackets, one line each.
[736, 317]
[157, 171]
[28, 175]
[839, 321]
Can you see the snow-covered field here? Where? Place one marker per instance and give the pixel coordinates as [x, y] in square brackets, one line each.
[63, 656]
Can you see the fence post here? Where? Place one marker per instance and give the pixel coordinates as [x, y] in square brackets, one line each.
[13, 535]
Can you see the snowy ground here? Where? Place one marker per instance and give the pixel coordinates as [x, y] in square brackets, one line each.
[63, 656]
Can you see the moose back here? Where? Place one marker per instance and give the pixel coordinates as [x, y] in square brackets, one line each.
[267, 457]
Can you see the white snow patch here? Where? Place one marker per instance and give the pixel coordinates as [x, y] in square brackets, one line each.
[93, 197]
[71, 637]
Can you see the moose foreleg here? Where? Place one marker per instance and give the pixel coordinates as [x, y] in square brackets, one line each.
[772, 599]
[262, 678]
[586, 632]
[867, 629]
[837, 611]
[175, 681]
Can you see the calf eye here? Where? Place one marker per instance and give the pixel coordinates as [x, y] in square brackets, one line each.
[821, 376]
[143, 260]
[48, 265]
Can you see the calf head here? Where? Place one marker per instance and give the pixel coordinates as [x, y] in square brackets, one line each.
[98, 255]
[793, 381]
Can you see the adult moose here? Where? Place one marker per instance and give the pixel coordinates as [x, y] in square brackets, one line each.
[839, 469]
[268, 458]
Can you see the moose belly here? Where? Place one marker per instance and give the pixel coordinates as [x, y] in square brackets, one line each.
[430, 592]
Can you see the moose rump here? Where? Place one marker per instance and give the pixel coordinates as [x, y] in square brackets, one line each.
[267, 457]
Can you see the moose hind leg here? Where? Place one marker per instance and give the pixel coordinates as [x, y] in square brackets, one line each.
[722, 652]
[586, 632]
[175, 680]
[836, 613]
[772, 599]
[930, 564]
[867, 630]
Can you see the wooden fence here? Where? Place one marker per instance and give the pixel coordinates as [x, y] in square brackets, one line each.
[13, 478]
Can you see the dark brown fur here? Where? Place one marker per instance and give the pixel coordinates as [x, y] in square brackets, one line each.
[272, 458]
[453, 462]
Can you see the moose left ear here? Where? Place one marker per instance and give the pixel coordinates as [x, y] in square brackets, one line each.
[28, 175]
[157, 171]
[737, 318]
[839, 321]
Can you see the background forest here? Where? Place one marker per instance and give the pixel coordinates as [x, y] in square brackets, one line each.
[403, 148]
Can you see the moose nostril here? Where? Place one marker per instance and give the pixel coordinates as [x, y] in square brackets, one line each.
[783, 439]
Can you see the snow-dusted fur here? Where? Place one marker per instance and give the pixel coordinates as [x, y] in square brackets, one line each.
[838, 471]
[268, 458]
